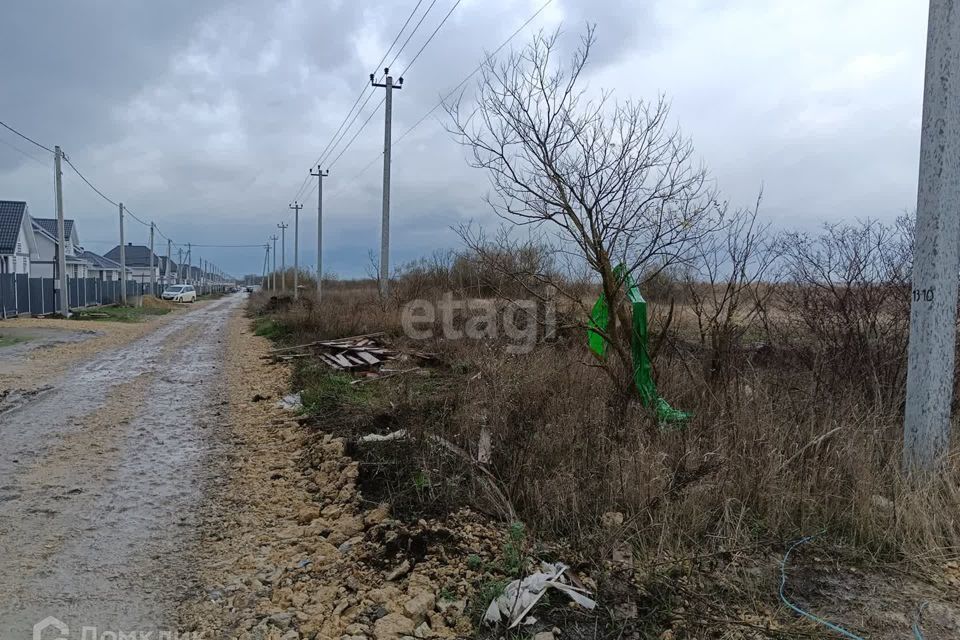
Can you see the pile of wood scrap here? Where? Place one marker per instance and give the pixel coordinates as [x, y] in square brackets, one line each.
[356, 353]
[352, 354]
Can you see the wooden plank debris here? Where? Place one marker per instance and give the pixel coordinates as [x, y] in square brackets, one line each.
[362, 354]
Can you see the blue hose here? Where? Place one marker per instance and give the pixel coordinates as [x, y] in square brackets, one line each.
[806, 614]
[917, 634]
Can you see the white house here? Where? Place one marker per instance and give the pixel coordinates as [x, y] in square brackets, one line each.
[18, 245]
[45, 231]
[137, 259]
[102, 268]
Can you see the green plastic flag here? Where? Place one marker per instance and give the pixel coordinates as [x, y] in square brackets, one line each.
[642, 368]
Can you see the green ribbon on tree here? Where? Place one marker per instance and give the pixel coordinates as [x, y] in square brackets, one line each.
[642, 367]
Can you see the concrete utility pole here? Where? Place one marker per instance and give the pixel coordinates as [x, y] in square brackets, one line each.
[296, 206]
[123, 262]
[283, 255]
[266, 261]
[385, 223]
[936, 254]
[61, 236]
[320, 176]
[166, 271]
[189, 264]
[273, 274]
[179, 264]
[153, 269]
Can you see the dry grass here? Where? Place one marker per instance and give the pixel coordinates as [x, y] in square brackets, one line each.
[773, 452]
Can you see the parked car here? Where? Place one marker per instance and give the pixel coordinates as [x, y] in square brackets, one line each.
[180, 293]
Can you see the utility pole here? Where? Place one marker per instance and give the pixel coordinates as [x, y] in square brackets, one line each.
[273, 274]
[320, 176]
[61, 236]
[179, 264]
[153, 274]
[189, 264]
[283, 255]
[385, 223]
[266, 260]
[296, 206]
[123, 262]
[166, 272]
[933, 309]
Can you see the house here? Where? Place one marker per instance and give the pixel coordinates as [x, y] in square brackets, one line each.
[137, 260]
[102, 268]
[46, 265]
[18, 245]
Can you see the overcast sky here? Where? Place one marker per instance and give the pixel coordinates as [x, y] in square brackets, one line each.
[205, 116]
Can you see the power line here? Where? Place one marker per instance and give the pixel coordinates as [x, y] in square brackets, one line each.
[439, 26]
[449, 93]
[30, 140]
[410, 64]
[347, 146]
[226, 246]
[89, 184]
[362, 127]
[127, 211]
[412, 33]
[475, 71]
[360, 96]
[24, 153]
[399, 33]
[344, 134]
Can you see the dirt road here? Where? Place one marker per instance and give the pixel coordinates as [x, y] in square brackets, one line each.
[101, 478]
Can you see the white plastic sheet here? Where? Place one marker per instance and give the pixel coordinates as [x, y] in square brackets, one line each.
[521, 596]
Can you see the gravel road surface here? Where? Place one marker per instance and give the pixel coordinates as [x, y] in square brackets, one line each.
[101, 479]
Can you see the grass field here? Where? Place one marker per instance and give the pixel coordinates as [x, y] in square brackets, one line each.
[796, 396]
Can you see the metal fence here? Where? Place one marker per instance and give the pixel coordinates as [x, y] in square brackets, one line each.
[23, 295]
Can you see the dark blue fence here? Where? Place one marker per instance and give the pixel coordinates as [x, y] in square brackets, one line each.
[23, 295]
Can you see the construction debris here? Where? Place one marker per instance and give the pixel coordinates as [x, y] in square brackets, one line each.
[356, 353]
[361, 354]
[292, 402]
[520, 596]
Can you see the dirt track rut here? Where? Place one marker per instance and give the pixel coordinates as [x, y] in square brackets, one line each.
[101, 478]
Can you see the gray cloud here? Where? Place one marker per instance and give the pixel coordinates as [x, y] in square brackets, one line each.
[206, 115]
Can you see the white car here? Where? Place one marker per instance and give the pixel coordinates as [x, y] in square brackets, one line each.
[180, 293]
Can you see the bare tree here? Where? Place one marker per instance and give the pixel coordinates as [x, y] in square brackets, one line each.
[850, 295]
[615, 180]
[728, 284]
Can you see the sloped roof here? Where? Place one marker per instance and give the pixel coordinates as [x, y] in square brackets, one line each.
[99, 261]
[11, 217]
[137, 255]
[50, 226]
[163, 264]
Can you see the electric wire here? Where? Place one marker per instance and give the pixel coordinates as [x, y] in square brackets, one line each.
[30, 140]
[84, 178]
[466, 79]
[451, 92]
[432, 35]
[23, 153]
[412, 33]
[324, 153]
